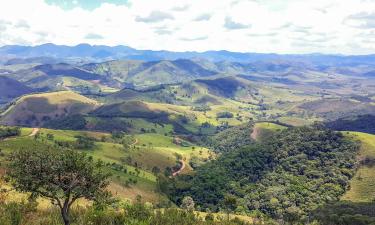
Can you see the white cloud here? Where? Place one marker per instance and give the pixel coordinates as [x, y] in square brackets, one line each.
[282, 26]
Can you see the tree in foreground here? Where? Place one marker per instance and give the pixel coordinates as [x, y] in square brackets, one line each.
[62, 176]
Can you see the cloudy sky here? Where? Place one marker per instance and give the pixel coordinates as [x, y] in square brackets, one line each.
[280, 26]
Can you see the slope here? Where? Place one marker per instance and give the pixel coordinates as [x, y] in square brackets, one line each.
[10, 89]
[362, 185]
[34, 110]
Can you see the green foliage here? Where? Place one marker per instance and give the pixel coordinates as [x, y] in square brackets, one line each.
[129, 214]
[224, 115]
[62, 176]
[289, 175]
[201, 108]
[84, 142]
[347, 213]
[9, 131]
[73, 122]
[362, 123]
[232, 138]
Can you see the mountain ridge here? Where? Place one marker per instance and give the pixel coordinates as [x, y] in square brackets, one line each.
[105, 53]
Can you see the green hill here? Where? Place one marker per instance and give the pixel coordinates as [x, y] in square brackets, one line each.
[362, 186]
[288, 176]
[144, 74]
[34, 110]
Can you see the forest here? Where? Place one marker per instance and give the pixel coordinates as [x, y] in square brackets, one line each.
[285, 177]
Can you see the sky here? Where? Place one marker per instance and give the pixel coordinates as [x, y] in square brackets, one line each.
[277, 26]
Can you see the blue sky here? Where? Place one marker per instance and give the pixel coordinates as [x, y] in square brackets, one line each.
[84, 4]
[277, 26]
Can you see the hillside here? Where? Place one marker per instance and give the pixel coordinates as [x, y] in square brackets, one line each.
[143, 74]
[10, 89]
[362, 186]
[34, 110]
[58, 83]
[287, 176]
[332, 109]
[361, 123]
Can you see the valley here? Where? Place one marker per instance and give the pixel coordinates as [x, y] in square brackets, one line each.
[249, 139]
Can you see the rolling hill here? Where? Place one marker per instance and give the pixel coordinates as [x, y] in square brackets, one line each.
[34, 110]
[142, 74]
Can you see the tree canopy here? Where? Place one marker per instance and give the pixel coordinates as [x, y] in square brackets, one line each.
[286, 177]
[62, 176]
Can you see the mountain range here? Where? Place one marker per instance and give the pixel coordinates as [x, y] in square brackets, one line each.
[49, 52]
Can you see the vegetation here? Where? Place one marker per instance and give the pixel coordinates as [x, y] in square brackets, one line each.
[62, 176]
[232, 138]
[224, 115]
[362, 186]
[160, 121]
[9, 131]
[121, 213]
[73, 122]
[287, 177]
[345, 212]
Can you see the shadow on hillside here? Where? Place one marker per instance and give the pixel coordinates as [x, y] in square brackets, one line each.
[346, 213]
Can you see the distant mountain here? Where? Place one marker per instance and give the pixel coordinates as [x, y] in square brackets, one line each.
[10, 89]
[62, 69]
[209, 91]
[143, 74]
[105, 53]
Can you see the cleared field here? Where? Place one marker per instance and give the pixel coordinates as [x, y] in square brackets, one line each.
[362, 185]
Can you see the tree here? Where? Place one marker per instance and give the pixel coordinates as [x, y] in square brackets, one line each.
[62, 176]
[188, 203]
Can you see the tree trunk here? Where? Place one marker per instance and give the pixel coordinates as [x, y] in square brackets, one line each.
[65, 214]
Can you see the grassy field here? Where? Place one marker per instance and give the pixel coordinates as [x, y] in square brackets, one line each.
[130, 166]
[363, 183]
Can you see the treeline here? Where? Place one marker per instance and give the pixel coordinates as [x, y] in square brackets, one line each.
[288, 176]
[9, 132]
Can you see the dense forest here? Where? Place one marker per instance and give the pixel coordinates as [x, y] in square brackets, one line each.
[286, 177]
[231, 138]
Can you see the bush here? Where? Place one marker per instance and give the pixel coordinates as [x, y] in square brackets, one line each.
[224, 115]
[9, 132]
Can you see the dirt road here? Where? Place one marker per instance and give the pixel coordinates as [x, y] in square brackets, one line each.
[180, 170]
[34, 131]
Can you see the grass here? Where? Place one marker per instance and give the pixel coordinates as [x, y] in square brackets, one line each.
[150, 150]
[362, 185]
[33, 109]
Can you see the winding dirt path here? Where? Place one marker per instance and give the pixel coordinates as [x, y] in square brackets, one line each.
[135, 142]
[34, 131]
[180, 170]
